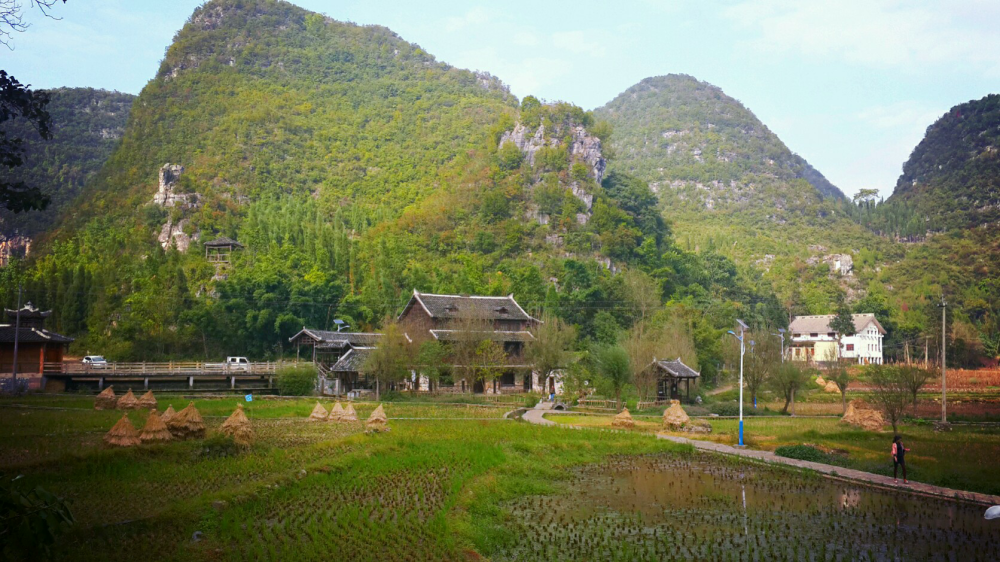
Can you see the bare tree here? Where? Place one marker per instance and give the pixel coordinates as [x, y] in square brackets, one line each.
[889, 392]
[391, 359]
[914, 378]
[839, 375]
[763, 355]
[12, 17]
[550, 350]
[647, 341]
[642, 293]
[467, 336]
[490, 360]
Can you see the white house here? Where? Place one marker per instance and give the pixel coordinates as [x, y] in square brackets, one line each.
[814, 340]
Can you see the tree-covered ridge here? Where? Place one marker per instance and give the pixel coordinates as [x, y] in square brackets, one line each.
[952, 178]
[353, 169]
[87, 125]
[677, 132]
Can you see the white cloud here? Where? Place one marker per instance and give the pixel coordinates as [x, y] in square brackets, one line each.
[908, 114]
[580, 43]
[476, 16]
[877, 33]
[525, 39]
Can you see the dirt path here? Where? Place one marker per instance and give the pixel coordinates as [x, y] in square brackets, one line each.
[720, 390]
[838, 472]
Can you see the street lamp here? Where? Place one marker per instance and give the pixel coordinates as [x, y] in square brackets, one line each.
[743, 349]
[341, 325]
[781, 334]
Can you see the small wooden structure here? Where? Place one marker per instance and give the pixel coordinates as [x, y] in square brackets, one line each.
[220, 249]
[670, 373]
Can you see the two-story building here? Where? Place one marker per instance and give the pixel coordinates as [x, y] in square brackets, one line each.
[814, 341]
[451, 318]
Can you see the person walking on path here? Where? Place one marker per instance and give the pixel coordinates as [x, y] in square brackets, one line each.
[898, 458]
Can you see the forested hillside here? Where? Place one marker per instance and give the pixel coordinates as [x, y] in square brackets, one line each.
[87, 124]
[729, 185]
[353, 168]
[952, 178]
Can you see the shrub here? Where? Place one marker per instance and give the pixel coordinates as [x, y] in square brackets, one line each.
[296, 380]
[802, 453]
[13, 387]
[725, 409]
[218, 446]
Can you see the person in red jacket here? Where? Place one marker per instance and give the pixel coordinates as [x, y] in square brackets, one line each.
[898, 458]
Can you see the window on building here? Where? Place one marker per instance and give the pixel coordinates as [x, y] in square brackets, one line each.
[850, 347]
[814, 335]
[832, 334]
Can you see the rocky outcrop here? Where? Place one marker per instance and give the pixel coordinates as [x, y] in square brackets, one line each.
[167, 194]
[526, 141]
[588, 148]
[13, 247]
[172, 234]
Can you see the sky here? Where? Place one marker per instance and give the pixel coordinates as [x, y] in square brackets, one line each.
[851, 85]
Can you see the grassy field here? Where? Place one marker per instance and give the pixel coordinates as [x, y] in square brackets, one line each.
[430, 489]
[963, 458]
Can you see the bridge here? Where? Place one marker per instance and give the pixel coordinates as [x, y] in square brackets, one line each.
[171, 375]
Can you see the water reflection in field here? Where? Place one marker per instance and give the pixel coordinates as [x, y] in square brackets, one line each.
[704, 508]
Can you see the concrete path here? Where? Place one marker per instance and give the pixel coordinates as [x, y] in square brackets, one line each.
[876, 480]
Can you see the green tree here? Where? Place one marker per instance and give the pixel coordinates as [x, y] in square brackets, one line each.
[914, 378]
[789, 378]
[613, 365]
[762, 358]
[842, 324]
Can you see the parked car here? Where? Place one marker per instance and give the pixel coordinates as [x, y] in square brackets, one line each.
[232, 364]
[95, 362]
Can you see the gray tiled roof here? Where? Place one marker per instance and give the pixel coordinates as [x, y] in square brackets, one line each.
[478, 307]
[223, 241]
[820, 323]
[352, 361]
[340, 339]
[677, 368]
[30, 335]
[493, 335]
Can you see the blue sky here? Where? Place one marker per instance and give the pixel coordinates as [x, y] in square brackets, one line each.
[851, 85]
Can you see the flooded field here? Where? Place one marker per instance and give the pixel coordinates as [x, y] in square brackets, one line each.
[703, 508]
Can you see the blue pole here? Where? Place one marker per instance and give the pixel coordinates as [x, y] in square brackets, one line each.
[741, 433]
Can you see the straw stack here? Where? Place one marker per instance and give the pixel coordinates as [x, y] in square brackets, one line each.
[377, 421]
[858, 414]
[155, 430]
[349, 413]
[187, 424]
[674, 417]
[623, 419]
[128, 402]
[820, 381]
[123, 434]
[831, 387]
[168, 413]
[319, 413]
[148, 401]
[336, 413]
[106, 400]
[238, 427]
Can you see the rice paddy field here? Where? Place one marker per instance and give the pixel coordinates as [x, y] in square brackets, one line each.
[448, 482]
[964, 458]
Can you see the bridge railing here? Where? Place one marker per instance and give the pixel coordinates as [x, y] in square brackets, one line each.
[179, 368]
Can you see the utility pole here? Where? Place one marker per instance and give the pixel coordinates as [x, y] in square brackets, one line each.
[17, 332]
[944, 363]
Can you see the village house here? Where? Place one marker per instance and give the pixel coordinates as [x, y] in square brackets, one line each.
[450, 318]
[36, 346]
[339, 356]
[814, 341]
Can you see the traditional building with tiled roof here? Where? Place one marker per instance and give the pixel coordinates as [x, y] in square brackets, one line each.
[669, 374]
[36, 346]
